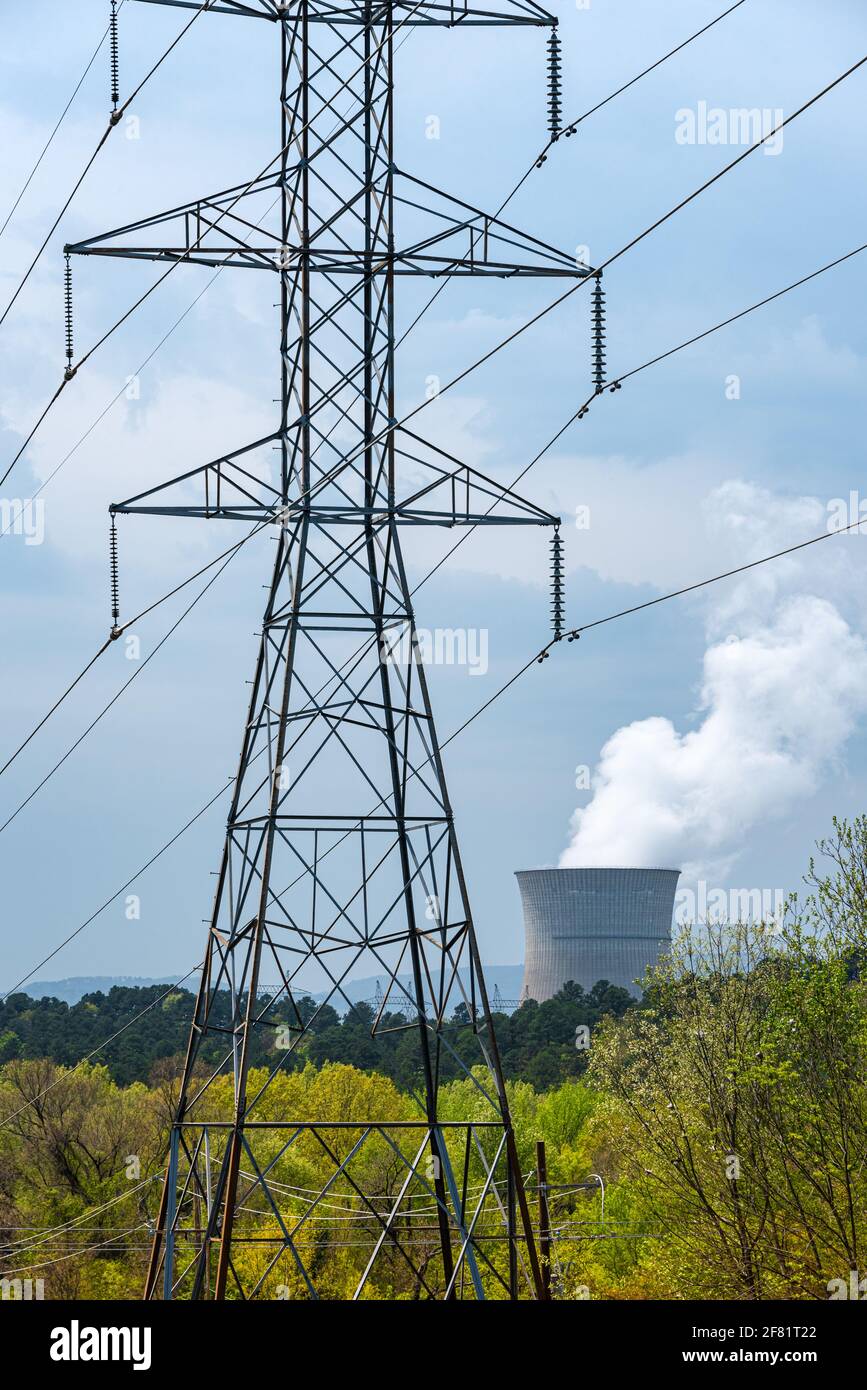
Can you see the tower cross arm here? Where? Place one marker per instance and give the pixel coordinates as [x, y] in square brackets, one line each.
[415, 13]
[232, 489]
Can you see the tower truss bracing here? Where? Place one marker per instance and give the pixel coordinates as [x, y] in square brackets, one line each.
[340, 855]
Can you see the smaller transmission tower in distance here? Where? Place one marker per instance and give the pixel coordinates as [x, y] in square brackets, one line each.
[341, 857]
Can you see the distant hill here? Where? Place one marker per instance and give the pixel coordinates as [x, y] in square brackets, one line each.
[73, 989]
[506, 978]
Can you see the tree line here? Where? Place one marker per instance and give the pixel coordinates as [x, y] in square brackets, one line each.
[537, 1042]
[724, 1116]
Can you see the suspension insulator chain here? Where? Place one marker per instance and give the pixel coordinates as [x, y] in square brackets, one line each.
[114, 47]
[115, 581]
[598, 353]
[558, 599]
[554, 114]
[67, 308]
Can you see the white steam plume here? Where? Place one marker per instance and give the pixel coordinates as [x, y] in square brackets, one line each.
[779, 699]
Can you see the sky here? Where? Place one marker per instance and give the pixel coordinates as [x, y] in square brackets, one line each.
[717, 733]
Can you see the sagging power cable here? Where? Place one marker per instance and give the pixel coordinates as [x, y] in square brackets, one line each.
[71, 371]
[117, 695]
[571, 129]
[615, 256]
[118, 631]
[623, 250]
[635, 241]
[522, 670]
[49, 142]
[464, 536]
[114, 120]
[152, 354]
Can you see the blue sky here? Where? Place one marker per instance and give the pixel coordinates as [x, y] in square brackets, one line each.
[681, 481]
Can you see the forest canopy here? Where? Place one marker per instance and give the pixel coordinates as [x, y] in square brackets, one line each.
[708, 1143]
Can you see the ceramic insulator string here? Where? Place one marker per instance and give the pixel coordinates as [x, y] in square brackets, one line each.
[115, 55]
[558, 603]
[554, 112]
[115, 580]
[598, 344]
[67, 308]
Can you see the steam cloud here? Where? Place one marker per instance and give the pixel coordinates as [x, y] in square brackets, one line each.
[779, 698]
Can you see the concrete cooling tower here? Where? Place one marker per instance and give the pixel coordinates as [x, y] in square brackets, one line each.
[593, 924]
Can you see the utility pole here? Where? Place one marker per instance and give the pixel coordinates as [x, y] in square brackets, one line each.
[544, 1217]
[341, 850]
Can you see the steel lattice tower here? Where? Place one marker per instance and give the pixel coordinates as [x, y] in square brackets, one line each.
[340, 847]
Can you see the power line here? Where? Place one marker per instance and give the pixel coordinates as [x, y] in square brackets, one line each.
[745, 154]
[570, 127]
[13, 1249]
[114, 897]
[615, 381]
[623, 250]
[225, 555]
[760, 304]
[651, 603]
[676, 593]
[522, 670]
[48, 408]
[56, 706]
[63, 116]
[615, 256]
[72, 370]
[636, 240]
[71, 1255]
[716, 578]
[177, 588]
[575, 632]
[152, 354]
[524, 327]
[113, 121]
[136, 673]
[99, 1048]
[159, 853]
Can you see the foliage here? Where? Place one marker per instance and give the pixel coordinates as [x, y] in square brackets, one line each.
[714, 1147]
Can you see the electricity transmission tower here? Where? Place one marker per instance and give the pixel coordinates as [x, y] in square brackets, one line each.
[340, 848]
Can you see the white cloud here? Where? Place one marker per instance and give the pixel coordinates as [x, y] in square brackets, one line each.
[179, 423]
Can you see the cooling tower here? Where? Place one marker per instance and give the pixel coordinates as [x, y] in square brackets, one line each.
[593, 924]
